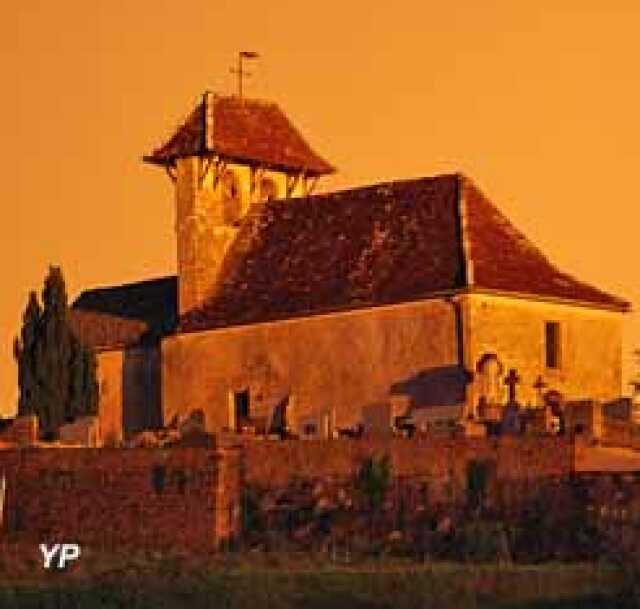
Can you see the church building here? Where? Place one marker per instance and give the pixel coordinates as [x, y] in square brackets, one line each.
[313, 314]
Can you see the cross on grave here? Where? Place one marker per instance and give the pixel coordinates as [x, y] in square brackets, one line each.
[540, 386]
[511, 380]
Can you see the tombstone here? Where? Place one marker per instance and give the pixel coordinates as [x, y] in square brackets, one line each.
[377, 418]
[511, 381]
[193, 424]
[490, 388]
[511, 422]
[553, 401]
[540, 386]
[84, 431]
[325, 426]
[283, 421]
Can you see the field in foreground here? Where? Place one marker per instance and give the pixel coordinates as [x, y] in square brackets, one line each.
[284, 583]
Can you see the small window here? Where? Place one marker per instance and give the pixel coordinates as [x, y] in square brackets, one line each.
[242, 408]
[231, 198]
[552, 344]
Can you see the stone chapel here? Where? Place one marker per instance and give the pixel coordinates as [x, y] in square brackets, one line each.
[317, 313]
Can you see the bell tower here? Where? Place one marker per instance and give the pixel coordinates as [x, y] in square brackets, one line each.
[230, 154]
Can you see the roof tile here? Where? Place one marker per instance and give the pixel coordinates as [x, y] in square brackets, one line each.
[242, 129]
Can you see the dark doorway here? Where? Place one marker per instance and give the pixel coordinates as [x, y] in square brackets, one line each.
[241, 408]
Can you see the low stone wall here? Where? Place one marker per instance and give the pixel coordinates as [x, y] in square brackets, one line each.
[623, 434]
[273, 463]
[22, 431]
[191, 499]
[428, 472]
[178, 499]
[308, 490]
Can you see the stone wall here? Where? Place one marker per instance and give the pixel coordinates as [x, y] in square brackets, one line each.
[273, 463]
[183, 499]
[21, 431]
[428, 470]
[514, 330]
[301, 489]
[207, 219]
[84, 431]
[622, 434]
[329, 366]
[141, 389]
[191, 499]
[110, 383]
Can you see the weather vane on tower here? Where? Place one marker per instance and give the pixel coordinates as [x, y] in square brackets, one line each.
[242, 55]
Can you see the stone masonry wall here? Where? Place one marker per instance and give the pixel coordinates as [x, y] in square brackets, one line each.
[191, 499]
[428, 473]
[514, 330]
[22, 431]
[182, 499]
[110, 381]
[329, 365]
[274, 463]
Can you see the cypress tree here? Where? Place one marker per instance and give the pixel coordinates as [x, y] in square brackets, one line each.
[56, 373]
[54, 353]
[83, 391]
[24, 349]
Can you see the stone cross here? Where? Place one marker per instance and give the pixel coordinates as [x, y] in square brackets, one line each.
[511, 380]
[540, 386]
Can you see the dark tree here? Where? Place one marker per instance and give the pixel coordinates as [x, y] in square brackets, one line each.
[24, 351]
[56, 373]
[84, 384]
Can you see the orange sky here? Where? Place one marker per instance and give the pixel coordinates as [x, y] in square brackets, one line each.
[539, 104]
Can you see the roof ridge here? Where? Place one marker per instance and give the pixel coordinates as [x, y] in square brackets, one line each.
[252, 100]
[140, 282]
[465, 246]
[365, 187]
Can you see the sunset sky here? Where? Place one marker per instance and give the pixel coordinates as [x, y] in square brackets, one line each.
[537, 101]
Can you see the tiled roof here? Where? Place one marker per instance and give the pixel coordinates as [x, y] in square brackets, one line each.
[381, 244]
[244, 130]
[503, 259]
[375, 245]
[125, 314]
[103, 331]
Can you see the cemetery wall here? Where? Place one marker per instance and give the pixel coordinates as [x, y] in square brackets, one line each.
[273, 463]
[429, 475]
[22, 431]
[177, 499]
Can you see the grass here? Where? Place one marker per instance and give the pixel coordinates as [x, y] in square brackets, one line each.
[304, 581]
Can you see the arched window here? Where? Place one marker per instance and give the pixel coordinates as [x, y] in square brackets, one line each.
[268, 189]
[231, 202]
[490, 385]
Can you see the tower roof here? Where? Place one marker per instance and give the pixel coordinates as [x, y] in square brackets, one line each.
[241, 129]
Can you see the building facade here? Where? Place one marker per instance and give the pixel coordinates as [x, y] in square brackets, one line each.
[312, 314]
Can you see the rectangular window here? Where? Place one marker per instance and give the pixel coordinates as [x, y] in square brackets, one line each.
[552, 344]
[241, 404]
